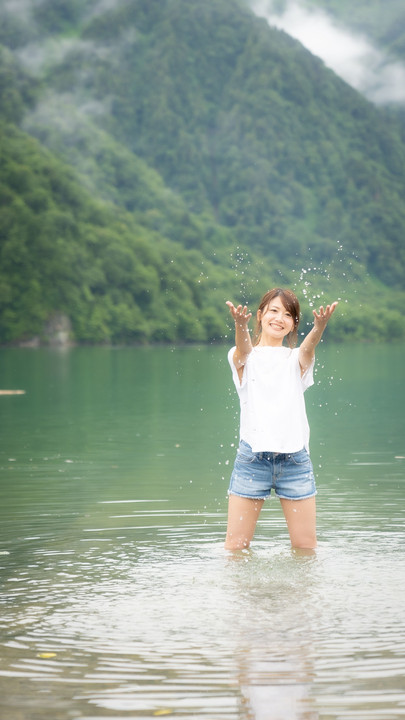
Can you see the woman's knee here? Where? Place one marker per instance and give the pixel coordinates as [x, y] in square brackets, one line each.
[242, 517]
[236, 543]
[306, 542]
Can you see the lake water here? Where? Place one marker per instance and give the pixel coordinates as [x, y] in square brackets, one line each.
[118, 599]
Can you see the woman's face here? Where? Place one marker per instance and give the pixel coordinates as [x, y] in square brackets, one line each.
[276, 322]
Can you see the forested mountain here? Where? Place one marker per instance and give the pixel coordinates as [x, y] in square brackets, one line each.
[119, 276]
[186, 152]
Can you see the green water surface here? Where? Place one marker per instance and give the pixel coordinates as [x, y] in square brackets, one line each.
[118, 599]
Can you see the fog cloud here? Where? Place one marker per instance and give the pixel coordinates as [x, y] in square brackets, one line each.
[352, 56]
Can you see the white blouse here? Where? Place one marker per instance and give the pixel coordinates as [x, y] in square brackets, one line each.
[272, 407]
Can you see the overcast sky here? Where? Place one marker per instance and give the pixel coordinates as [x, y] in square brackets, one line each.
[350, 55]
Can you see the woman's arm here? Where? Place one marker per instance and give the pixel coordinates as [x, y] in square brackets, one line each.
[307, 348]
[242, 336]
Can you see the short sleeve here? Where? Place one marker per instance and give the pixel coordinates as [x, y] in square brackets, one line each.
[235, 376]
[308, 377]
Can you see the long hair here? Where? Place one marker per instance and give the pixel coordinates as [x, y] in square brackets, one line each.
[290, 302]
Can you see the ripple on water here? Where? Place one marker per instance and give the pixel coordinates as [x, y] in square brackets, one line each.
[187, 627]
[136, 608]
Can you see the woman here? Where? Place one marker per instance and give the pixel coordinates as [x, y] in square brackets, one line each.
[274, 434]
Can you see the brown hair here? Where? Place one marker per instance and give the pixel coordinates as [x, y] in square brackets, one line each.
[290, 302]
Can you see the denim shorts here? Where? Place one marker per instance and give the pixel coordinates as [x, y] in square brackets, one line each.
[255, 474]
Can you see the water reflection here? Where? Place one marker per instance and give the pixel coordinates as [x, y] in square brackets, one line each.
[277, 688]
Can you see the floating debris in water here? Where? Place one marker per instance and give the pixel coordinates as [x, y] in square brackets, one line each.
[46, 655]
[12, 392]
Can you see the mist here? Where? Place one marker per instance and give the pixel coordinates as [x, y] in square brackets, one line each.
[350, 55]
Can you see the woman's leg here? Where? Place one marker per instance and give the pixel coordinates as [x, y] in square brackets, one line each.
[300, 516]
[242, 519]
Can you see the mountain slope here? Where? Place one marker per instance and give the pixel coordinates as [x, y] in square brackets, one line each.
[222, 157]
[243, 122]
[119, 276]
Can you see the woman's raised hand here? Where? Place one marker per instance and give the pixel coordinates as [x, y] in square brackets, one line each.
[322, 317]
[240, 314]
